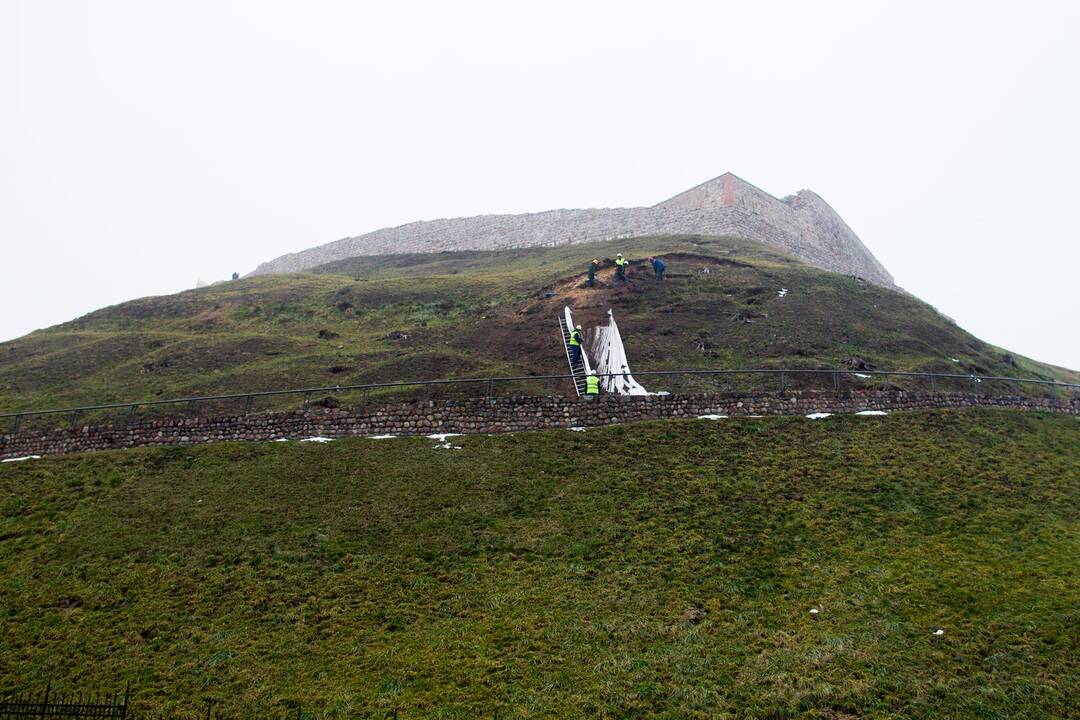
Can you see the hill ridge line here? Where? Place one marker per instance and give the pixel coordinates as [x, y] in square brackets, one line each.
[802, 224]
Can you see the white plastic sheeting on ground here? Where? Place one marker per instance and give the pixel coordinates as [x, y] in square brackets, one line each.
[819, 415]
[23, 458]
[871, 412]
[610, 355]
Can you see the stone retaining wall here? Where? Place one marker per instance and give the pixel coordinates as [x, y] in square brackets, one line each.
[481, 415]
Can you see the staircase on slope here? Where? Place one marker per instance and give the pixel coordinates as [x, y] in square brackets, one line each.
[580, 369]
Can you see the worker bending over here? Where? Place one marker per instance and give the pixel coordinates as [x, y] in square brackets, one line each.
[658, 268]
[575, 346]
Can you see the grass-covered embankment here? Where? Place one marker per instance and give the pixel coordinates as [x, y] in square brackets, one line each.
[483, 314]
[657, 570]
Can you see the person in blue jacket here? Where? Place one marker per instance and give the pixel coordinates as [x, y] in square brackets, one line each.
[658, 268]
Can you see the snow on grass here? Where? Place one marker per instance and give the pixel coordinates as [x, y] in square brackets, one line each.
[381, 437]
[442, 436]
[954, 360]
[21, 459]
[871, 412]
[818, 415]
[318, 439]
[576, 428]
[862, 375]
[782, 293]
[281, 439]
[712, 417]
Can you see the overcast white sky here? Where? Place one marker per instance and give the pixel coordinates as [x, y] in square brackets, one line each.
[144, 145]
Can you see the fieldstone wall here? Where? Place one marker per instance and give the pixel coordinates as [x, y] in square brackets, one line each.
[479, 415]
[802, 224]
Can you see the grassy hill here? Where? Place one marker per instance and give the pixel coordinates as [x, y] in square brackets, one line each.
[460, 314]
[655, 570]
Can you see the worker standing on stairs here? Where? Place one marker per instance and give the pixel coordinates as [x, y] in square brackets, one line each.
[592, 386]
[620, 269]
[575, 346]
[592, 271]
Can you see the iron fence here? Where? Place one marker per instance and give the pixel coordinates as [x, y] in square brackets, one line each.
[670, 381]
[50, 705]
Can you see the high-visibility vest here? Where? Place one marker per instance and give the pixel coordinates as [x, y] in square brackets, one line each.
[575, 337]
[592, 385]
[620, 261]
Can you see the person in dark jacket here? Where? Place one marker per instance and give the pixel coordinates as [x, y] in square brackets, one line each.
[658, 268]
[575, 346]
[620, 269]
[592, 271]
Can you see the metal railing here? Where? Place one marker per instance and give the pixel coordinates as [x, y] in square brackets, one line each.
[681, 380]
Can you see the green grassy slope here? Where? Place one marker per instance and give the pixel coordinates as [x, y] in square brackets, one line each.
[484, 313]
[654, 570]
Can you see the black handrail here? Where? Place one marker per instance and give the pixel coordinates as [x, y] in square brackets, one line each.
[517, 378]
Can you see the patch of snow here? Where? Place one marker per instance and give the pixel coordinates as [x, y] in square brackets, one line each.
[871, 412]
[813, 611]
[318, 439]
[577, 428]
[818, 415]
[281, 440]
[443, 436]
[448, 446]
[661, 392]
[954, 360]
[782, 293]
[861, 375]
[381, 437]
[939, 632]
[24, 457]
[712, 417]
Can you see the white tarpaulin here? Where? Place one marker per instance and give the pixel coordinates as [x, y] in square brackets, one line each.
[606, 346]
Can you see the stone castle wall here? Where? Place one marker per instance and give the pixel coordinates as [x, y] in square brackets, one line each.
[481, 415]
[803, 225]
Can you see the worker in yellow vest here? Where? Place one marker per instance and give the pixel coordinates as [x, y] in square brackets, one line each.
[592, 386]
[575, 346]
[620, 269]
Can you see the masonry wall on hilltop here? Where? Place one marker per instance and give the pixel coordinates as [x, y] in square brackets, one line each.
[803, 225]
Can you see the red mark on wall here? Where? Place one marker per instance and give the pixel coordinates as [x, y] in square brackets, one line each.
[729, 190]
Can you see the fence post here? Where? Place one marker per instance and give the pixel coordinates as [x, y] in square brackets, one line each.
[45, 702]
[75, 418]
[132, 411]
[189, 410]
[975, 384]
[783, 381]
[933, 384]
[18, 422]
[836, 381]
[248, 401]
